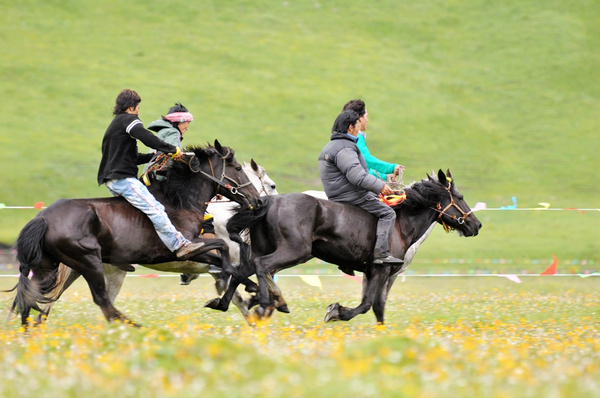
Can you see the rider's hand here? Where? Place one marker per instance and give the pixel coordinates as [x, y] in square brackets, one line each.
[177, 155]
[386, 190]
[397, 169]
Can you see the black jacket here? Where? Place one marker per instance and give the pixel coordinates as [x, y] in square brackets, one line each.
[120, 155]
[344, 172]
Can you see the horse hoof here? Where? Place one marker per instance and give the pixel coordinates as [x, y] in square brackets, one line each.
[251, 320]
[259, 312]
[252, 289]
[213, 304]
[221, 285]
[131, 323]
[333, 313]
[283, 308]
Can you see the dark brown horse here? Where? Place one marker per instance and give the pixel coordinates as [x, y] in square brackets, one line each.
[287, 230]
[84, 233]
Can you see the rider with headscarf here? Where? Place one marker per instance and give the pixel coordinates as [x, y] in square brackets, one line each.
[171, 129]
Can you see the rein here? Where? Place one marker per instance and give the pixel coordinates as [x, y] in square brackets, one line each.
[442, 212]
[232, 189]
[262, 184]
[218, 182]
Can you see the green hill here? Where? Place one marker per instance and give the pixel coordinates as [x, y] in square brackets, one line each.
[505, 94]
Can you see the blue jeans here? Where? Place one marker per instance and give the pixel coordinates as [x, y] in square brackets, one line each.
[138, 195]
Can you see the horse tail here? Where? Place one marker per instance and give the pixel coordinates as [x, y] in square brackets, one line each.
[29, 254]
[244, 219]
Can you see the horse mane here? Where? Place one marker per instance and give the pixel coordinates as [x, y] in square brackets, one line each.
[177, 189]
[425, 193]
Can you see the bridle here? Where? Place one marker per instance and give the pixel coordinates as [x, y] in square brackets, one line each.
[262, 183]
[234, 189]
[438, 208]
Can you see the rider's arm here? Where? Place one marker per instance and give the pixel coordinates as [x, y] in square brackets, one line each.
[377, 167]
[138, 131]
[347, 161]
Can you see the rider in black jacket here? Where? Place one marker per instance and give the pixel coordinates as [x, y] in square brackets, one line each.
[118, 169]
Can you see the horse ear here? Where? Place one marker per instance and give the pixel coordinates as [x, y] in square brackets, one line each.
[442, 178]
[449, 174]
[253, 164]
[218, 146]
[432, 177]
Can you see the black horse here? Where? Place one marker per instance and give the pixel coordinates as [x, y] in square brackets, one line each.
[84, 233]
[287, 230]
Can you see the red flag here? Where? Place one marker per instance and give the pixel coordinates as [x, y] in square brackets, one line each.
[38, 205]
[149, 276]
[355, 277]
[551, 270]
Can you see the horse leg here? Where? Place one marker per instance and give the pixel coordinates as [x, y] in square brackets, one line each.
[242, 272]
[224, 261]
[373, 282]
[90, 267]
[65, 277]
[222, 303]
[276, 295]
[285, 256]
[381, 299]
[114, 278]
[237, 299]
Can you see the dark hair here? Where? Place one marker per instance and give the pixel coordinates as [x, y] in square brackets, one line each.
[344, 120]
[357, 105]
[177, 108]
[125, 99]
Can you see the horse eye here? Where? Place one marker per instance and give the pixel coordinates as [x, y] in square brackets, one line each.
[239, 168]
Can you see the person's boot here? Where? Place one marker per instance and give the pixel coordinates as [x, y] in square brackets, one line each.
[389, 259]
[188, 249]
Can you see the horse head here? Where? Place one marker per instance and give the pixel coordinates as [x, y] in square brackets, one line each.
[203, 173]
[453, 212]
[230, 180]
[257, 174]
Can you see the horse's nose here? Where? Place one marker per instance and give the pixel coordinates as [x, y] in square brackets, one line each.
[274, 186]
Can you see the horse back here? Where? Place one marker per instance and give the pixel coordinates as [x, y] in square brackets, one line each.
[110, 226]
[334, 232]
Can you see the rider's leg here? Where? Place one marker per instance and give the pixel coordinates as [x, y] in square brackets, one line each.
[138, 195]
[385, 226]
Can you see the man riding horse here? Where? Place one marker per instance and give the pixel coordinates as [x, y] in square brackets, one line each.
[118, 169]
[346, 179]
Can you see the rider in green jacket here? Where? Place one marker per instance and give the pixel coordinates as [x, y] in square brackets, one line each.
[171, 128]
[377, 167]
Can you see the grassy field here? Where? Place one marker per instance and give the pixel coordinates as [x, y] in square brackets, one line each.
[463, 337]
[505, 95]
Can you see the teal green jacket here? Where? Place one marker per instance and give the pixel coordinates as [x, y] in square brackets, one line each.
[166, 132]
[378, 168]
